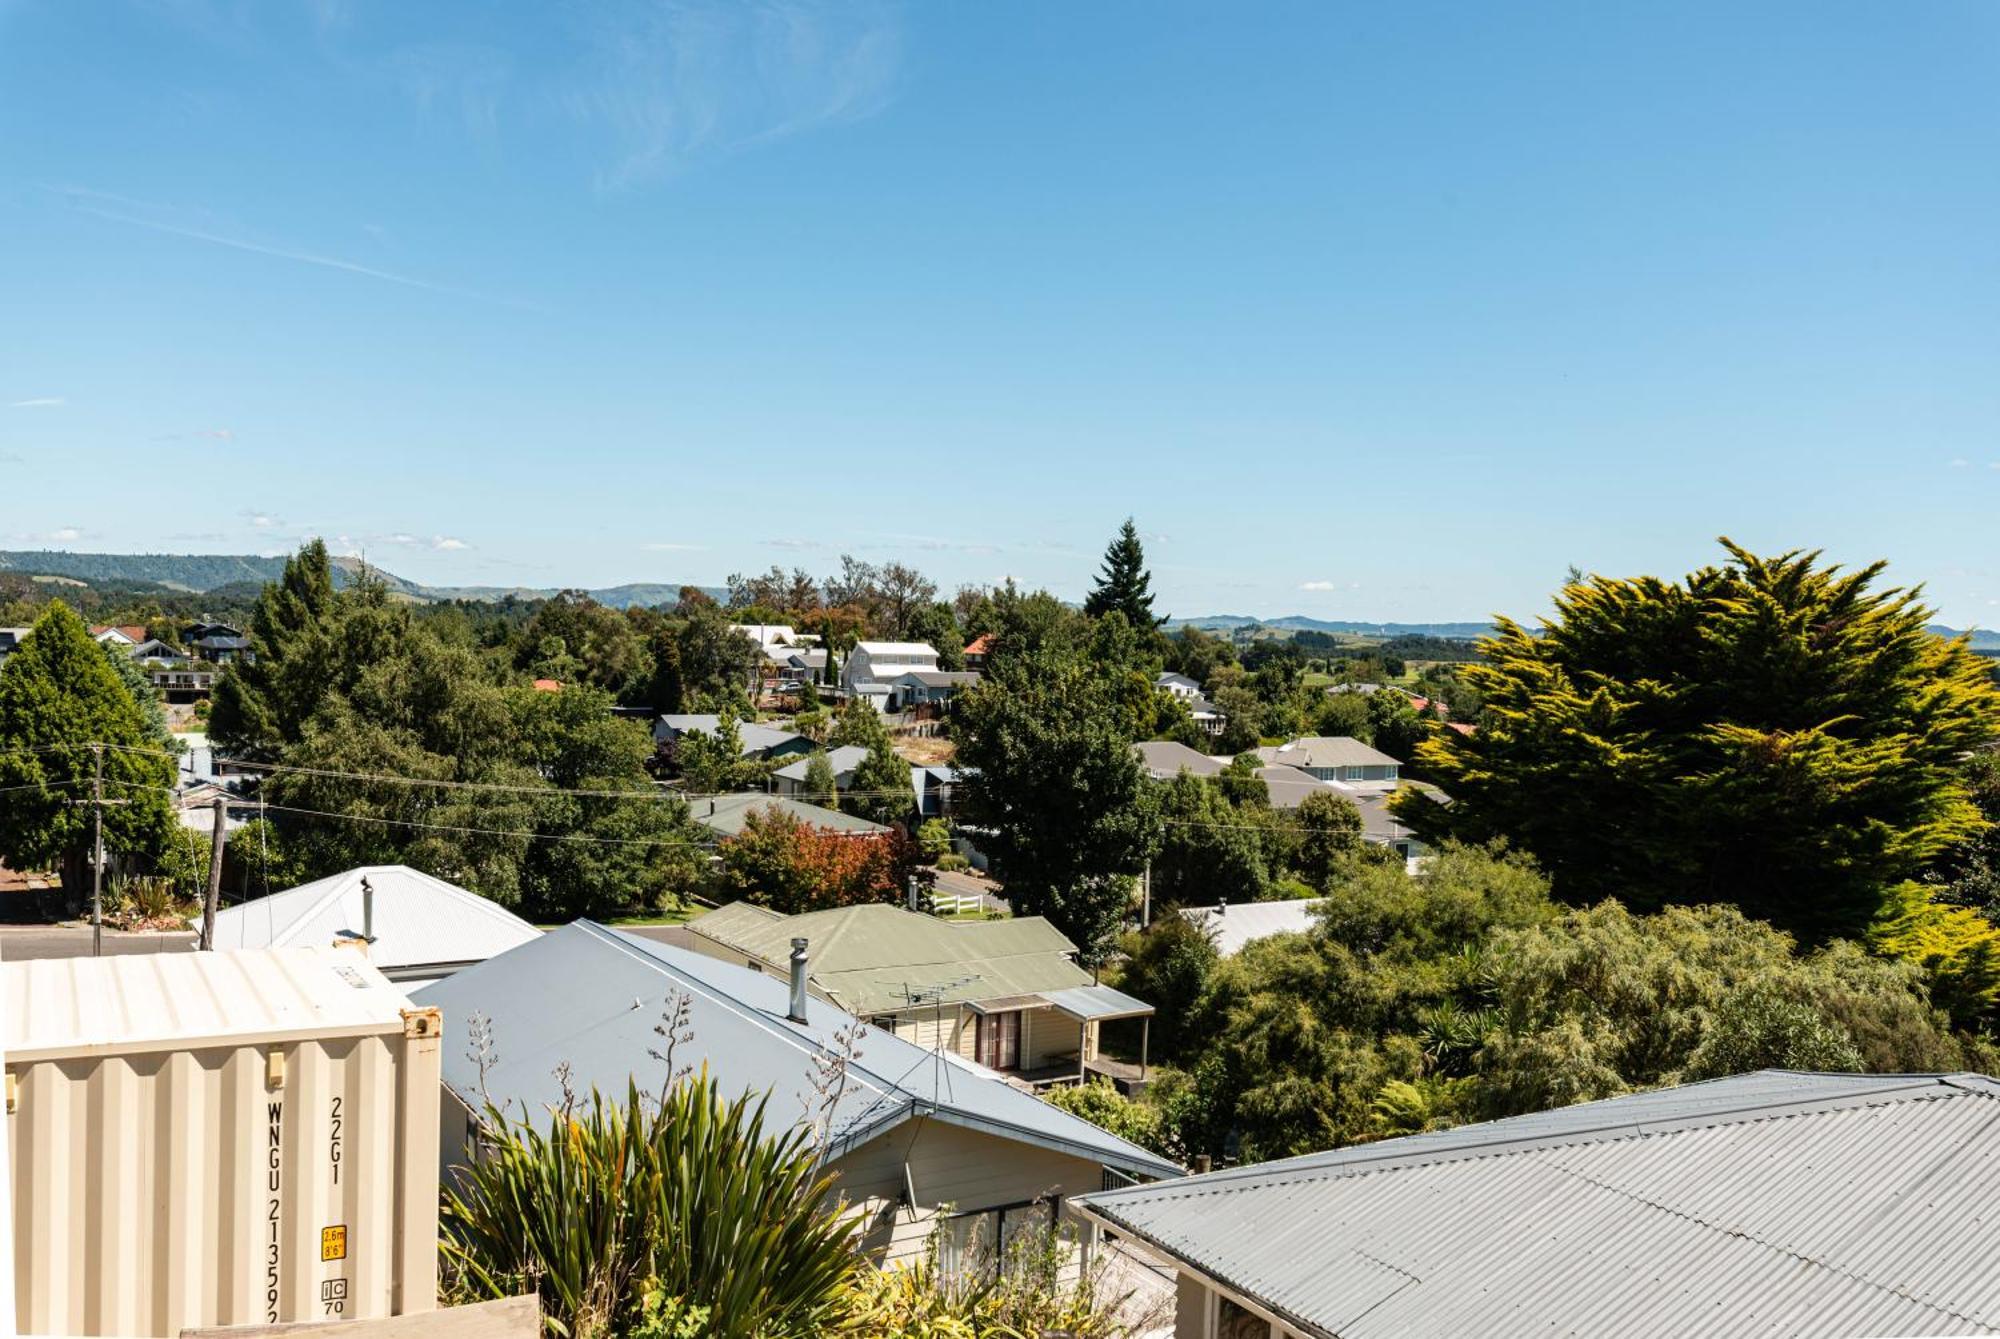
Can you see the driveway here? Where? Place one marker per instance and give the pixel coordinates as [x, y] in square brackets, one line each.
[964, 883]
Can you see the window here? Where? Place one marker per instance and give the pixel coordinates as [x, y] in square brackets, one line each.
[1236, 1322]
[1000, 1040]
[980, 1244]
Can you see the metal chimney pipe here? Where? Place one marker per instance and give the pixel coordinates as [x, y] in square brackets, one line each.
[798, 1009]
[367, 910]
[910, 895]
[1221, 907]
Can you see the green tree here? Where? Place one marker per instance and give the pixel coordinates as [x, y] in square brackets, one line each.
[1169, 964]
[1243, 719]
[1058, 786]
[882, 790]
[1329, 828]
[59, 697]
[710, 761]
[819, 787]
[262, 702]
[1206, 852]
[858, 725]
[1123, 583]
[1772, 733]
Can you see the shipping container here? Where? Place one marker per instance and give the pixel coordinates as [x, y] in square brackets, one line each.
[203, 1139]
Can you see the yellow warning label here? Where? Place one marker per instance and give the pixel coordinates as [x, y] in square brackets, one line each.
[333, 1242]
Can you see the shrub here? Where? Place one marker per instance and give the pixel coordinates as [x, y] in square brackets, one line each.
[613, 1209]
[1108, 1109]
[934, 838]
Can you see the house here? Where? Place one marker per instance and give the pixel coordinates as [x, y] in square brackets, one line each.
[221, 649]
[1335, 758]
[881, 662]
[756, 741]
[876, 695]
[1165, 759]
[977, 650]
[1231, 927]
[1177, 685]
[208, 627]
[182, 681]
[915, 689]
[1007, 994]
[1768, 1203]
[937, 788]
[152, 648]
[807, 666]
[124, 636]
[10, 641]
[791, 778]
[194, 806]
[1288, 787]
[919, 1139]
[416, 928]
[726, 814]
[1211, 718]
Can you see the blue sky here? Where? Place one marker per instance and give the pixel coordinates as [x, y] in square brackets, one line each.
[1381, 311]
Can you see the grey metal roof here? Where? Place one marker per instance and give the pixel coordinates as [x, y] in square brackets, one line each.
[1774, 1203]
[1088, 1002]
[1326, 751]
[1164, 759]
[589, 997]
[942, 678]
[843, 760]
[753, 738]
[727, 814]
[1288, 787]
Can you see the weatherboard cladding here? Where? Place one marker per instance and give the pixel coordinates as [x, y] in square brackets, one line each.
[1768, 1204]
[590, 997]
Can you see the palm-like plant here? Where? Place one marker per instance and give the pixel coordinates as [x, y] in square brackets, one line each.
[682, 1195]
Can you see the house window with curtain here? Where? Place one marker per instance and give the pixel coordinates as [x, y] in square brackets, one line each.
[979, 1245]
[999, 1041]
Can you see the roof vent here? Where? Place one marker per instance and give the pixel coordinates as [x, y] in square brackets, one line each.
[798, 1010]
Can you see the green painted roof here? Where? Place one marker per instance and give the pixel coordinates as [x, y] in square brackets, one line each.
[871, 959]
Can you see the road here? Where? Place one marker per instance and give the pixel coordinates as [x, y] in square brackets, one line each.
[20, 943]
[963, 883]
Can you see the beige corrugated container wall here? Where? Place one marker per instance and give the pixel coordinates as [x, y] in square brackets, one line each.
[218, 1138]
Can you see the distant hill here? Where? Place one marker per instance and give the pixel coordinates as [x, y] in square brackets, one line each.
[1983, 639]
[236, 573]
[1300, 623]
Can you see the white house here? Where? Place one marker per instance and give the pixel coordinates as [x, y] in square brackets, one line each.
[882, 662]
[417, 928]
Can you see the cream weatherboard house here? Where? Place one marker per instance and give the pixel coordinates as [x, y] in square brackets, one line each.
[918, 1140]
[1007, 994]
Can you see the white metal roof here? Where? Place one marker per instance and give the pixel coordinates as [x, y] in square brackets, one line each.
[1237, 924]
[1766, 1204]
[897, 649]
[420, 920]
[150, 1002]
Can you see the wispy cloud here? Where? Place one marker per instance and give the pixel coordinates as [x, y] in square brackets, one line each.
[669, 82]
[1318, 585]
[799, 545]
[448, 544]
[173, 223]
[675, 548]
[62, 535]
[441, 543]
[261, 520]
[40, 402]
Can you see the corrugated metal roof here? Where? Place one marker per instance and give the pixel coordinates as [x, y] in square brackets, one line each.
[726, 813]
[1238, 924]
[1773, 1203]
[873, 958]
[150, 1002]
[590, 997]
[1326, 751]
[1088, 1002]
[1165, 759]
[843, 759]
[420, 921]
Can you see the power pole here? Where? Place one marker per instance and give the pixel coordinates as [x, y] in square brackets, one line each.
[97, 803]
[97, 852]
[211, 904]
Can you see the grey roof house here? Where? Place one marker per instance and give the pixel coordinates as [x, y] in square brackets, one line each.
[1334, 758]
[928, 687]
[918, 1135]
[791, 778]
[1773, 1203]
[726, 814]
[757, 741]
